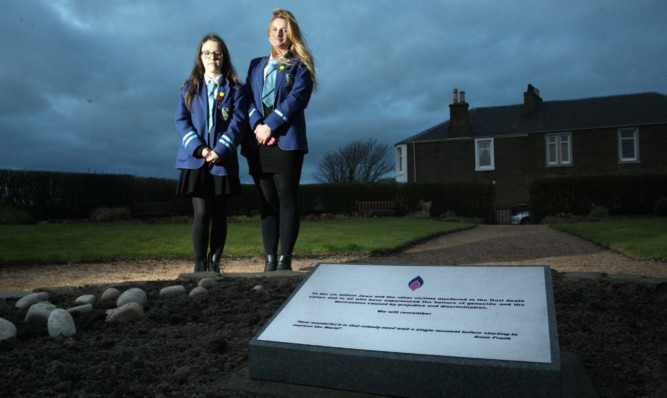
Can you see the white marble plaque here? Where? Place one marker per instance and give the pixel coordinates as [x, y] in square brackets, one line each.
[486, 312]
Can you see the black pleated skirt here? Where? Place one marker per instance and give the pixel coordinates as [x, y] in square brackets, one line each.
[201, 183]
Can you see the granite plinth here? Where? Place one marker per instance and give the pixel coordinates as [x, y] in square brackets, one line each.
[337, 366]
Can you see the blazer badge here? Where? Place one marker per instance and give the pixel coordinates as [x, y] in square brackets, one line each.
[225, 114]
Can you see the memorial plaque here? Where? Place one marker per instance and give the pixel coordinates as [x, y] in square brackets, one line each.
[493, 325]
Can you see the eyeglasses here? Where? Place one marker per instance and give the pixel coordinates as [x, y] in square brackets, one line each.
[210, 54]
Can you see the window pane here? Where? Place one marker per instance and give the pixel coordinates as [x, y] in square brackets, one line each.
[399, 160]
[628, 134]
[484, 155]
[627, 149]
[552, 157]
[628, 144]
[565, 152]
[484, 158]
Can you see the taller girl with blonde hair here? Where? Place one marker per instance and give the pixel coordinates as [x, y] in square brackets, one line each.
[279, 88]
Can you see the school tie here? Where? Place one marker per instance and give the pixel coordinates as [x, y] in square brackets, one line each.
[211, 103]
[270, 84]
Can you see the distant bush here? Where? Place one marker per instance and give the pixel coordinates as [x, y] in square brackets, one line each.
[106, 214]
[598, 212]
[12, 215]
[579, 195]
[660, 209]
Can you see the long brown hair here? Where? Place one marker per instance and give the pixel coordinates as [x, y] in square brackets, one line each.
[297, 44]
[228, 70]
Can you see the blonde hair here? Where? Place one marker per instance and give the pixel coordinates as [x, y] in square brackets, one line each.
[297, 43]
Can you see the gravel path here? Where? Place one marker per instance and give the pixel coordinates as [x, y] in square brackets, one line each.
[482, 245]
[523, 245]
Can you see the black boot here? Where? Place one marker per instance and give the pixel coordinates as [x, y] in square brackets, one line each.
[271, 263]
[200, 266]
[214, 263]
[284, 262]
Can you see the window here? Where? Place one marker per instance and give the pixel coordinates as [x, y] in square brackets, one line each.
[484, 154]
[559, 149]
[628, 145]
[401, 163]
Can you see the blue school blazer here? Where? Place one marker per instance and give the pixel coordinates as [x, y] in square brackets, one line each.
[230, 123]
[294, 85]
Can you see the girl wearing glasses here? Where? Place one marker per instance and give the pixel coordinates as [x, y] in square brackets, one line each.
[210, 120]
[279, 88]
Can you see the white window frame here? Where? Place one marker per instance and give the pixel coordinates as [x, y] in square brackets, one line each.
[558, 149]
[478, 154]
[635, 144]
[402, 163]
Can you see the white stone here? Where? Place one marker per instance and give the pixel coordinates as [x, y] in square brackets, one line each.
[61, 322]
[199, 292]
[207, 283]
[258, 288]
[172, 290]
[110, 294]
[85, 299]
[81, 309]
[133, 295]
[38, 313]
[126, 313]
[31, 299]
[7, 329]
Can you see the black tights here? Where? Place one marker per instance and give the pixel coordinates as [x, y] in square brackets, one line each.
[211, 210]
[280, 211]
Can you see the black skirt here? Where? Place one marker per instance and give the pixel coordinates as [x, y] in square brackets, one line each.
[273, 159]
[201, 183]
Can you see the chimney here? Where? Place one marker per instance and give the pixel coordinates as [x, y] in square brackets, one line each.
[459, 125]
[531, 99]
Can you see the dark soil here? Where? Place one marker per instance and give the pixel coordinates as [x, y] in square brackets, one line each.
[185, 346]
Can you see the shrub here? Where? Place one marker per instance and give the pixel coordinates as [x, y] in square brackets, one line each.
[598, 212]
[660, 209]
[106, 214]
[12, 215]
[424, 210]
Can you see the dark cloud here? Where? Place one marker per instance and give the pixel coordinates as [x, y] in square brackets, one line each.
[92, 86]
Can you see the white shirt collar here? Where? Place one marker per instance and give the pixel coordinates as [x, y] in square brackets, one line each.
[216, 80]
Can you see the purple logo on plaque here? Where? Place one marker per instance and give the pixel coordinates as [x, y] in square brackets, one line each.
[416, 283]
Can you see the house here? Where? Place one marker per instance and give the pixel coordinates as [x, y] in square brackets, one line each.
[513, 145]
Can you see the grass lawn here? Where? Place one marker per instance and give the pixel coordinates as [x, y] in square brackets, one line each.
[90, 242]
[644, 238]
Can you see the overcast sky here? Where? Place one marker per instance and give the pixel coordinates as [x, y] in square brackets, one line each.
[92, 86]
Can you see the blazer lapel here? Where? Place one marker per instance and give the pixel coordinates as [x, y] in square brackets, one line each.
[224, 89]
[280, 77]
[259, 83]
[203, 101]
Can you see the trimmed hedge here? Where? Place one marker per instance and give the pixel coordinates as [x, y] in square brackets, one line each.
[56, 195]
[48, 195]
[464, 199]
[620, 194]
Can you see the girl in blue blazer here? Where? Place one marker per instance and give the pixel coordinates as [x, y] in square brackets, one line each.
[211, 117]
[279, 88]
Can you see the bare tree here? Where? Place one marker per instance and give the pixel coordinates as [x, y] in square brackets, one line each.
[358, 161]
